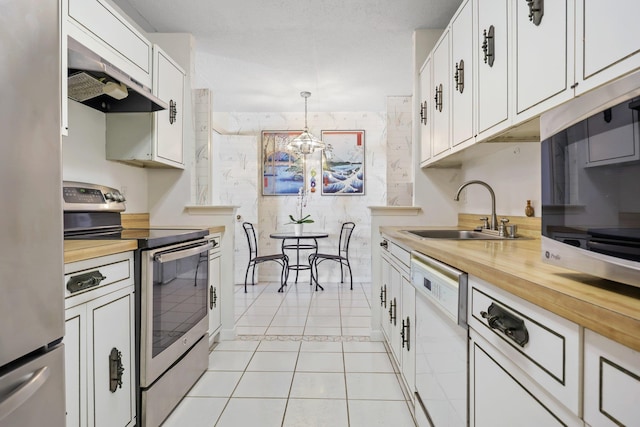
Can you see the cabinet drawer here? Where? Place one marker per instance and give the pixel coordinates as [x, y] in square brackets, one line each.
[400, 254]
[611, 382]
[551, 355]
[116, 269]
[127, 49]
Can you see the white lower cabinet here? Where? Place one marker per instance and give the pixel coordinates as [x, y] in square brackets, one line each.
[215, 312]
[398, 320]
[525, 362]
[501, 394]
[99, 346]
[611, 382]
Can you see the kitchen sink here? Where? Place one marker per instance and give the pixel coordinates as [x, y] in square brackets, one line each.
[455, 234]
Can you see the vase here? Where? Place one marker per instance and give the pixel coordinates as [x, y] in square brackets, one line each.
[297, 229]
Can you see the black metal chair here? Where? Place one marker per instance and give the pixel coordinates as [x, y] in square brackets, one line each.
[342, 257]
[254, 259]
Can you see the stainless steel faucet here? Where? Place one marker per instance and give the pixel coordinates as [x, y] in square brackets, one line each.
[494, 219]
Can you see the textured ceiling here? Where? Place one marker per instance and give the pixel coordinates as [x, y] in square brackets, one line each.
[258, 55]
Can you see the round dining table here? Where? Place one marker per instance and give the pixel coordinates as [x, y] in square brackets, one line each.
[308, 240]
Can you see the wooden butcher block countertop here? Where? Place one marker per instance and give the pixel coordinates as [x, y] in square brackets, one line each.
[79, 250]
[609, 308]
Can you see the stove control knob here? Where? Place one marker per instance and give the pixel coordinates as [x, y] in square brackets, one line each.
[108, 196]
[119, 197]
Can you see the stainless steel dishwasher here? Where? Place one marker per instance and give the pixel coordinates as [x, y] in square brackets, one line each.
[441, 343]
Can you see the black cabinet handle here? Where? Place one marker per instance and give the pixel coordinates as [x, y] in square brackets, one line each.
[384, 244]
[383, 296]
[505, 322]
[423, 112]
[393, 312]
[173, 111]
[85, 281]
[458, 77]
[406, 334]
[488, 46]
[116, 369]
[211, 300]
[536, 10]
[438, 97]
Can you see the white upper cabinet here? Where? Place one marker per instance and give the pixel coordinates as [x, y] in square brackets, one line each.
[99, 27]
[607, 45]
[441, 92]
[493, 61]
[543, 54]
[168, 83]
[462, 76]
[152, 139]
[426, 111]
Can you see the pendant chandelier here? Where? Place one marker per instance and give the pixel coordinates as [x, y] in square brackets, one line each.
[305, 143]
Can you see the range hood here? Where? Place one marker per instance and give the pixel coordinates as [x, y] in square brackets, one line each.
[98, 84]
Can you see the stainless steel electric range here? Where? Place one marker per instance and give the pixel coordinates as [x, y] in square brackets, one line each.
[171, 282]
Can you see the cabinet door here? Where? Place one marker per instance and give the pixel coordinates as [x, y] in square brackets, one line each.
[611, 382]
[169, 86]
[607, 41]
[426, 111]
[502, 395]
[543, 54]
[440, 141]
[110, 322]
[75, 366]
[386, 299]
[409, 338]
[395, 301]
[493, 83]
[214, 296]
[462, 75]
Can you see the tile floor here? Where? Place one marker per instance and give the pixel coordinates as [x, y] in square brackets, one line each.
[302, 358]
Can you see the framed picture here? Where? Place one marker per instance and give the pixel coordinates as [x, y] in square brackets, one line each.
[343, 165]
[281, 169]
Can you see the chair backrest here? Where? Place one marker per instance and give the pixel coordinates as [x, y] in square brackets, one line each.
[345, 237]
[251, 239]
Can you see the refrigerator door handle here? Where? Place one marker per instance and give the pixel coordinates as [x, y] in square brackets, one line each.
[22, 393]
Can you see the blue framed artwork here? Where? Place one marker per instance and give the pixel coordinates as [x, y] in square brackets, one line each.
[343, 171]
[281, 169]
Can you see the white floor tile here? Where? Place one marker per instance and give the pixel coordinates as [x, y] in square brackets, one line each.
[323, 346]
[215, 384]
[316, 412]
[229, 360]
[279, 345]
[323, 322]
[356, 322]
[320, 362]
[285, 330]
[370, 413]
[289, 320]
[273, 361]
[196, 412]
[373, 386]
[236, 345]
[322, 331]
[264, 384]
[318, 385]
[357, 332]
[251, 330]
[364, 347]
[252, 412]
[324, 311]
[367, 362]
[355, 311]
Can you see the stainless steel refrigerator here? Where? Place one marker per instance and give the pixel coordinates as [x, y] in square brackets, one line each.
[31, 242]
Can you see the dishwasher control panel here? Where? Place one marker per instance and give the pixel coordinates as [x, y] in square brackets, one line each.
[445, 286]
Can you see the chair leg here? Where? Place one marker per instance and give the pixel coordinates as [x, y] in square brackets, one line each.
[341, 273]
[283, 276]
[245, 277]
[315, 277]
[350, 274]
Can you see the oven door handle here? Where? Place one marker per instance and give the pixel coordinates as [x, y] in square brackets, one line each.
[172, 256]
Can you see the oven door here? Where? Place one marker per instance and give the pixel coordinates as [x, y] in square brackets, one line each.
[174, 283]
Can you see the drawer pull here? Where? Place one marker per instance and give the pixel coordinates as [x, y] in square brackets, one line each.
[512, 326]
[116, 369]
[85, 281]
[405, 333]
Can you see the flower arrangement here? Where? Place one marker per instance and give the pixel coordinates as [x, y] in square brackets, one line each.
[305, 220]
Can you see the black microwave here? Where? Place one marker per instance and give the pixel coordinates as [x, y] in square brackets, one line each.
[591, 182]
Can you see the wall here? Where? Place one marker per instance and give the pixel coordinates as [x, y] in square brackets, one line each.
[83, 158]
[327, 211]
